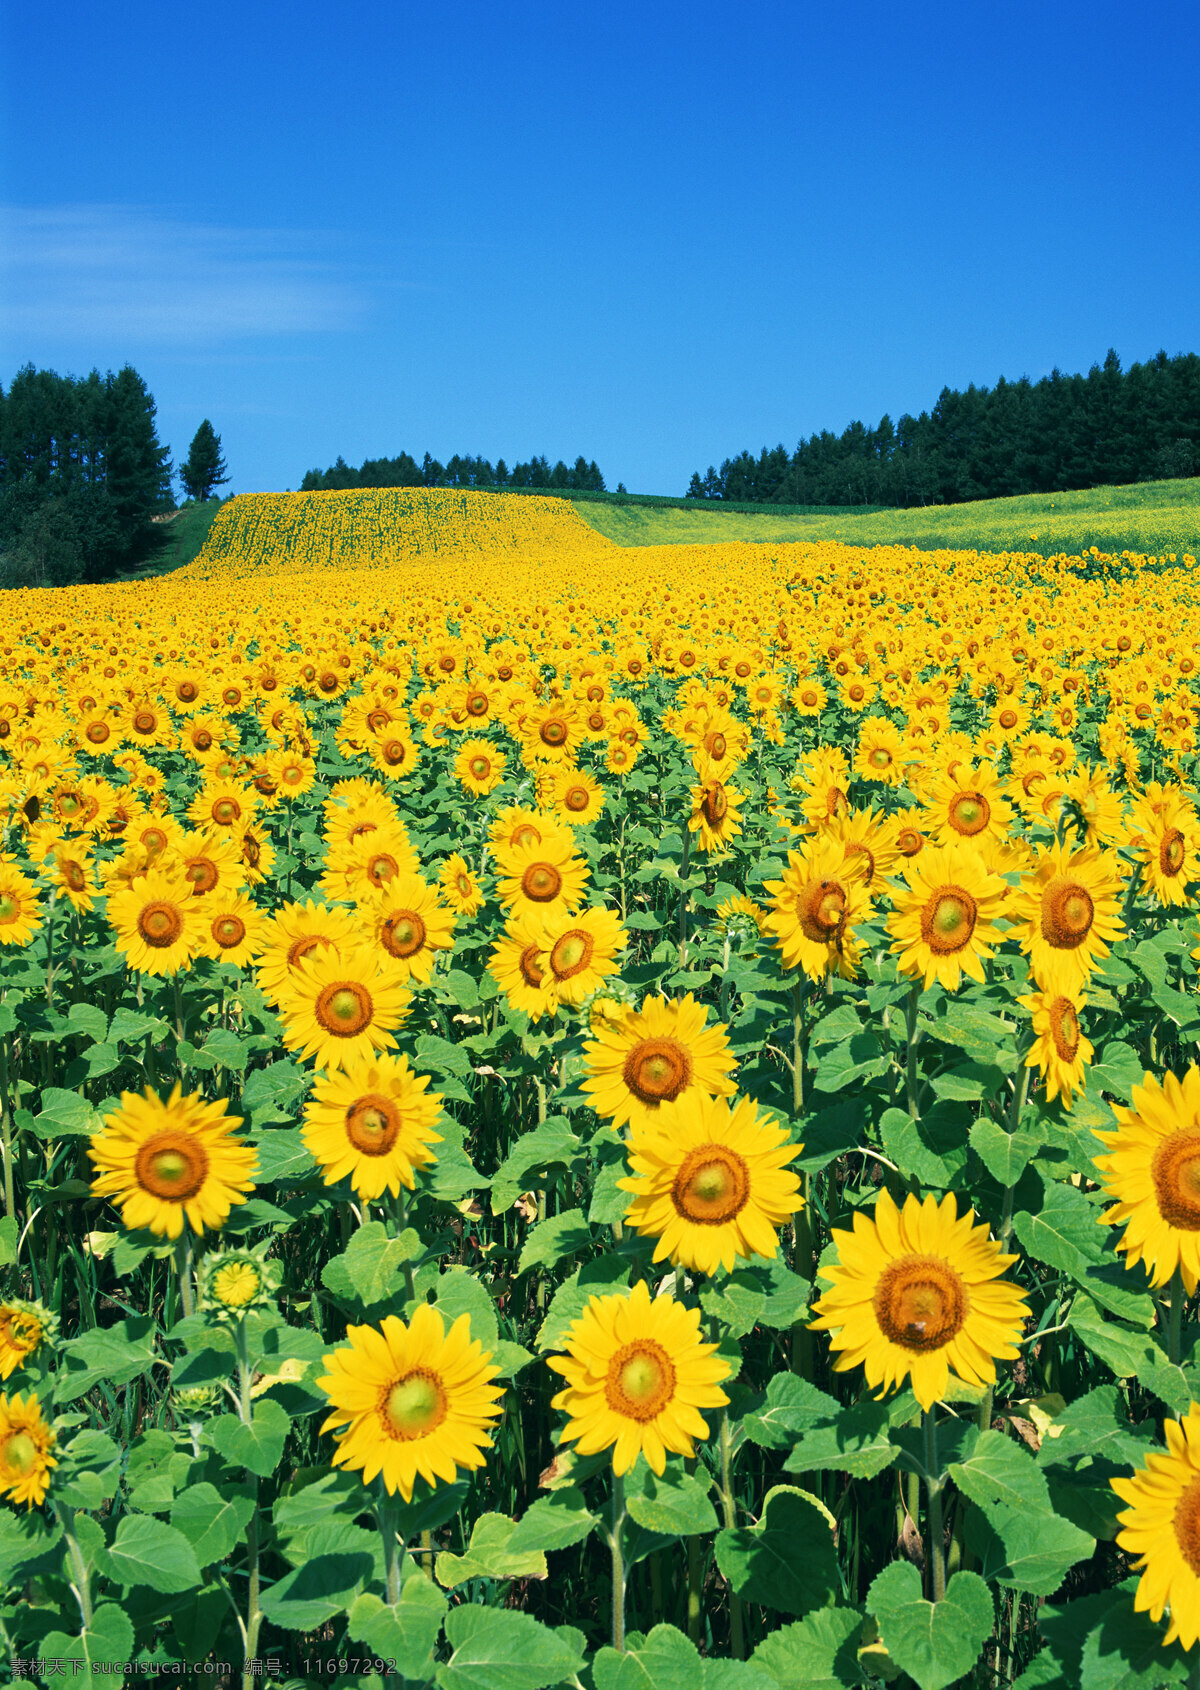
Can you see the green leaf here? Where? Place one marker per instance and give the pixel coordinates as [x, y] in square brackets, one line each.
[108, 1640]
[501, 1649]
[212, 1521]
[112, 1354]
[314, 1592]
[600, 1278]
[562, 1235]
[998, 1470]
[550, 1145]
[148, 1551]
[934, 1643]
[675, 1505]
[371, 1269]
[407, 1633]
[553, 1522]
[1004, 1155]
[257, 1446]
[666, 1660]
[816, 1653]
[787, 1561]
[489, 1556]
[1024, 1549]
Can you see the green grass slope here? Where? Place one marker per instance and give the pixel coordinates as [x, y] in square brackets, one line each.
[1154, 517]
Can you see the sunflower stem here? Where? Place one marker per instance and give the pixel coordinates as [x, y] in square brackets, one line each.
[729, 1505]
[1175, 1322]
[183, 1272]
[936, 1549]
[618, 1563]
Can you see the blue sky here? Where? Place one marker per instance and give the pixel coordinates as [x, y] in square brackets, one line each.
[652, 233]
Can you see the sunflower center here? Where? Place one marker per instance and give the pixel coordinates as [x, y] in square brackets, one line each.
[171, 1166]
[228, 931]
[1175, 1170]
[657, 1070]
[712, 1185]
[344, 1008]
[715, 804]
[413, 1407]
[1067, 914]
[160, 925]
[1064, 1028]
[821, 911]
[1171, 852]
[948, 920]
[640, 1380]
[541, 882]
[970, 813]
[373, 1124]
[920, 1303]
[403, 933]
[20, 1453]
[571, 954]
[1186, 1525]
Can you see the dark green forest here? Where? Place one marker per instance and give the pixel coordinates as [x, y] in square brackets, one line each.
[82, 475]
[405, 471]
[1105, 429]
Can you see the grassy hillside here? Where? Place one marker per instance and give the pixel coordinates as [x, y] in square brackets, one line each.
[1156, 517]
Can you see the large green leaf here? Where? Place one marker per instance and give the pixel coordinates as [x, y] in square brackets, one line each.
[406, 1634]
[666, 1660]
[148, 1551]
[501, 1649]
[819, 1652]
[934, 1643]
[787, 1561]
[489, 1555]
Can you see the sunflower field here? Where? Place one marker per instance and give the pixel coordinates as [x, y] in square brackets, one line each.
[613, 1118]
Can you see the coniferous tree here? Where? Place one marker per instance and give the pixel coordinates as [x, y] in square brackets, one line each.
[204, 469]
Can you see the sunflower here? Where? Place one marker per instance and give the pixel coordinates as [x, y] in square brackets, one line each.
[24, 1328]
[1161, 1527]
[411, 1400]
[159, 925]
[716, 815]
[815, 908]
[479, 766]
[295, 932]
[1152, 1169]
[1066, 912]
[374, 1123]
[460, 886]
[517, 968]
[710, 1182]
[943, 923]
[1060, 1051]
[233, 928]
[579, 952]
[409, 922]
[164, 1162]
[542, 879]
[654, 1055]
[637, 1375]
[342, 1004]
[913, 1296]
[20, 912]
[27, 1447]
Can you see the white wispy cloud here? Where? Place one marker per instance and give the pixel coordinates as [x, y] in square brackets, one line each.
[99, 272]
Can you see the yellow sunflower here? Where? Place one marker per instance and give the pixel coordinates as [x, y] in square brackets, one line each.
[1152, 1170]
[410, 922]
[342, 1004]
[159, 925]
[943, 921]
[815, 909]
[1066, 913]
[27, 1447]
[579, 952]
[637, 1376]
[373, 1122]
[710, 1182]
[1060, 1050]
[1161, 1528]
[411, 1401]
[164, 1162]
[915, 1296]
[654, 1055]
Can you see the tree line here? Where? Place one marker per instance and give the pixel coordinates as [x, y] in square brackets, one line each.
[1104, 429]
[468, 471]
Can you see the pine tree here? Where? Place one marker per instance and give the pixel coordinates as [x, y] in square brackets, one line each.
[205, 468]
